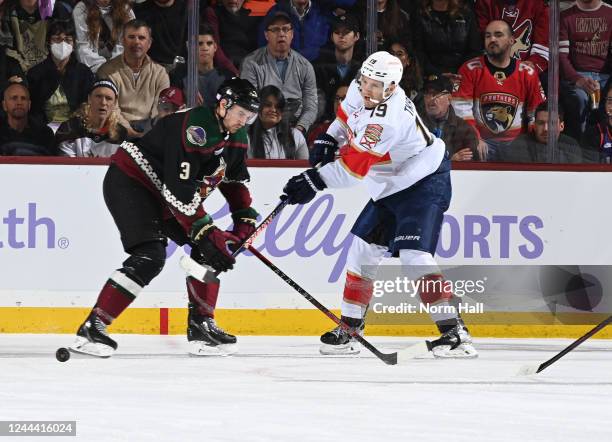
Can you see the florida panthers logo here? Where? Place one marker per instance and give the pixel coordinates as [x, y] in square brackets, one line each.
[498, 111]
[371, 136]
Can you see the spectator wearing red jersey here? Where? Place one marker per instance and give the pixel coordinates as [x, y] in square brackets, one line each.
[498, 94]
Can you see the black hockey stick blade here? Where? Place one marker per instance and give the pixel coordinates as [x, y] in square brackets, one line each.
[531, 369]
[387, 358]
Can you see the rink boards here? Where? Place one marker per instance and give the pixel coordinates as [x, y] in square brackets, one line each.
[58, 244]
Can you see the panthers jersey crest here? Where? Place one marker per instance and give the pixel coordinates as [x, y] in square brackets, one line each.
[498, 111]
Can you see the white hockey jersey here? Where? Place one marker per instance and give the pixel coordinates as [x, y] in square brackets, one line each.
[389, 147]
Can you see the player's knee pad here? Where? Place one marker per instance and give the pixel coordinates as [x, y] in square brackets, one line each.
[416, 263]
[363, 258]
[146, 261]
[419, 265]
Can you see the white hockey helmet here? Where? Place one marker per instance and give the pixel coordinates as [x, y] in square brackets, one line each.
[383, 66]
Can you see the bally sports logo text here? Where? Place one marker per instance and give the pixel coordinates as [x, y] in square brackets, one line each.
[27, 229]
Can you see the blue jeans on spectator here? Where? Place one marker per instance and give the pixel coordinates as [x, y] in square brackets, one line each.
[577, 103]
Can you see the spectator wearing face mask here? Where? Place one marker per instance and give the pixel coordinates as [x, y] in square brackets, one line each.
[60, 83]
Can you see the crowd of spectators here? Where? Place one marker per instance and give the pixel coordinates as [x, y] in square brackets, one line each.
[79, 77]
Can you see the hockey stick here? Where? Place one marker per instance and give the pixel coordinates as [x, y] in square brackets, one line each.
[387, 358]
[527, 370]
[206, 273]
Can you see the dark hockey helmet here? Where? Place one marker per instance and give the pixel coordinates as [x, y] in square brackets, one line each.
[239, 91]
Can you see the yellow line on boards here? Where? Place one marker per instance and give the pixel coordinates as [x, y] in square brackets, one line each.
[297, 322]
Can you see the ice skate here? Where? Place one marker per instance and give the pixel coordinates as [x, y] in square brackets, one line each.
[206, 338]
[92, 338]
[339, 342]
[455, 343]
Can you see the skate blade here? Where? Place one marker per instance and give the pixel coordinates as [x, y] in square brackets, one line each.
[201, 348]
[84, 347]
[461, 352]
[352, 348]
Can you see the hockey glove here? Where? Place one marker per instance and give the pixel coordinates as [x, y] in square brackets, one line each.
[302, 188]
[245, 221]
[211, 243]
[323, 150]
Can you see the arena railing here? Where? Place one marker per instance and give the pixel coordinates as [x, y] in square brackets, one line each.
[544, 167]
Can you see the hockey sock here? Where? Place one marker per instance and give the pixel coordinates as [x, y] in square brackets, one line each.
[116, 295]
[203, 295]
[435, 291]
[357, 295]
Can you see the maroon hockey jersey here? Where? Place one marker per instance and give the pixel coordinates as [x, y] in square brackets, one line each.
[496, 105]
[529, 21]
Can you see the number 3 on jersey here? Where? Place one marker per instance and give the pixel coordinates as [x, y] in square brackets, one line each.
[185, 168]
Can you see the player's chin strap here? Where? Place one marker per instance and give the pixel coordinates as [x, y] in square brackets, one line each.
[222, 118]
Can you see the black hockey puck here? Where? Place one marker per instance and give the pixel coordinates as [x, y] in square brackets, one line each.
[62, 354]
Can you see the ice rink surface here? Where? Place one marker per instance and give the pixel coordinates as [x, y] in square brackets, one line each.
[281, 389]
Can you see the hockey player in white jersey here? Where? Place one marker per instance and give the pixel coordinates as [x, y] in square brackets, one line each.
[407, 173]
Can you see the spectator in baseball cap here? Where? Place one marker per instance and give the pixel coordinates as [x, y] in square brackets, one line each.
[338, 65]
[170, 100]
[440, 118]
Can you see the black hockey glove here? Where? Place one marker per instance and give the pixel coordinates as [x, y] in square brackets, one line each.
[302, 188]
[323, 150]
[212, 244]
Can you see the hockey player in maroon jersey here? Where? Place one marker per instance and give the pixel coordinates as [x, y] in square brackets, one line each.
[498, 94]
[154, 190]
[529, 22]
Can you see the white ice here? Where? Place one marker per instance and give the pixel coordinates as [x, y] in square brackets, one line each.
[281, 389]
